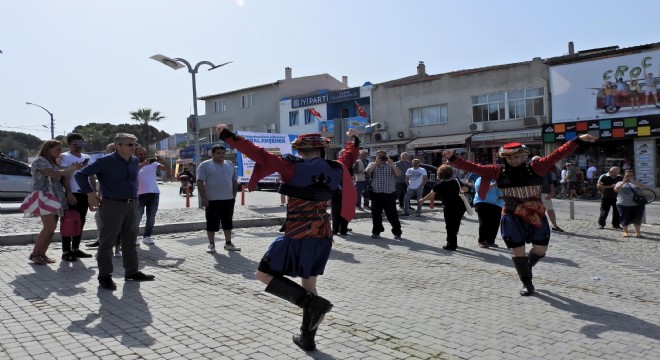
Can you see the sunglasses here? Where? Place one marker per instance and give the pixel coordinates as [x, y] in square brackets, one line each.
[129, 144]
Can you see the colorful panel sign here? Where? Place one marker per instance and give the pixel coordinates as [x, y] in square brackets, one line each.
[614, 87]
[274, 143]
[631, 127]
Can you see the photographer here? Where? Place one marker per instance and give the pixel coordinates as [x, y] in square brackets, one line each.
[630, 211]
[383, 195]
[148, 192]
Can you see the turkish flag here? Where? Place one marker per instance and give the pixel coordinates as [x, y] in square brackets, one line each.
[314, 113]
[360, 110]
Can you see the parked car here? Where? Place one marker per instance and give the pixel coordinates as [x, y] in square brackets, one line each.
[15, 179]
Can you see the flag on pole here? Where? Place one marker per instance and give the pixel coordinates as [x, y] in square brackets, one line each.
[360, 110]
[315, 113]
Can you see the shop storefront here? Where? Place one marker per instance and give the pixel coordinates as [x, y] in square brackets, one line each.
[485, 146]
[429, 149]
[629, 143]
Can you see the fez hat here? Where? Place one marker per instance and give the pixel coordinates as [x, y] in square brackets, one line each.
[513, 149]
[310, 141]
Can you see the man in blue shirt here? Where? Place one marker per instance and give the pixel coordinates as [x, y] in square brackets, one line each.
[117, 174]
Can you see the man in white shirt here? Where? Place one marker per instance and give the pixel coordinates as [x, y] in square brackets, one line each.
[416, 178]
[76, 199]
[148, 192]
[218, 183]
[591, 173]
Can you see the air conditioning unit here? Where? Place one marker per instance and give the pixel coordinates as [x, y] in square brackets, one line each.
[531, 121]
[404, 134]
[381, 136]
[381, 126]
[477, 126]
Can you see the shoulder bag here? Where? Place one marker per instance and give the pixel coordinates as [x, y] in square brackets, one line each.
[39, 203]
[468, 208]
[638, 198]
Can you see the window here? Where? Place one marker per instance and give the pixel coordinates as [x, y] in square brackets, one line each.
[309, 118]
[246, 101]
[219, 106]
[294, 118]
[515, 104]
[432, 115]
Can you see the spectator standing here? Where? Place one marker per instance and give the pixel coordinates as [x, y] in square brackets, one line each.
[361, 181]
[305, 247]
[489, 210]
[571, 180]
[591, 173]
[606, 183]
[339, 223]
[416, 179]
[403, 165]
[547, 193]
[48, 176]
[630, 211]
[448, 190]
[118, 175]
[523, 218]
[148, 191]
[218, 184]
[383, 174]
[76, 199]
[109, 149]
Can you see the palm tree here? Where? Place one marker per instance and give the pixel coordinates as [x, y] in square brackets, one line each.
[144, 116]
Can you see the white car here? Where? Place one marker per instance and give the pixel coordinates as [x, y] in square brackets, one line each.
[15, 179]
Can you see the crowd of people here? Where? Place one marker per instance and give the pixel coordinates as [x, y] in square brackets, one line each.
[514, 198]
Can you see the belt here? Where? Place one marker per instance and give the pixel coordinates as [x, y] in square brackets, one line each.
[127, 201]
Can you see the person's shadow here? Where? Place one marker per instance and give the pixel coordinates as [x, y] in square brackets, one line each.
[602, 320]
[235, 263]
[44, 281]
[125, 318]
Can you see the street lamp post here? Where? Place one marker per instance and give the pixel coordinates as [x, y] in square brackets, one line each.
[175, 63]
[52, 121]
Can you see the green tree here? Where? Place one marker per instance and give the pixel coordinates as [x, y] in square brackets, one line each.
[144, 116]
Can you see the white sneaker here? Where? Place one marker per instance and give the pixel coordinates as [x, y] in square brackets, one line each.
[211, 249]
[231, 247]
[117, 253]
[147, 240]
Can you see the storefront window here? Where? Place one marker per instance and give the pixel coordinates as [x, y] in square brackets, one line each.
[604, 155]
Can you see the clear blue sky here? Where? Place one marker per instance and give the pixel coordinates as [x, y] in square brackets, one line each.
[88, 61]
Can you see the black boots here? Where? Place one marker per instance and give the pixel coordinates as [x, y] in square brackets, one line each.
[525, 273]
[314, 308]
[532, 258]
[306, 338]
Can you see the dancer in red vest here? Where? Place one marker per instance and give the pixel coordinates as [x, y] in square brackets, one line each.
[303, 251]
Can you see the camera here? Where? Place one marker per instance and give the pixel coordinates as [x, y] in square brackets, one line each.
[383, 157]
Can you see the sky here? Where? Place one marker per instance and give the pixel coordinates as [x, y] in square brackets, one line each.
[88, 60]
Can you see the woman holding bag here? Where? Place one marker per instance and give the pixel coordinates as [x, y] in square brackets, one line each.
[630, 211]
[453, 208]
[47, 177]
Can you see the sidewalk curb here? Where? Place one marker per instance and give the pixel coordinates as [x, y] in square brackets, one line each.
[88, 234]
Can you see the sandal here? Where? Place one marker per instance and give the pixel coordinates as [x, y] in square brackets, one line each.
[37, 259]
[639, 236]
[48, 260]
[625, 234]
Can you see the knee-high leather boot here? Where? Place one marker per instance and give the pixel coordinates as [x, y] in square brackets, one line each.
[533, 258]
[525, 274]
[314, 307]
[305, 340]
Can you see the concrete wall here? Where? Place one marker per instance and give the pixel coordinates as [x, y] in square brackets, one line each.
[394, 104]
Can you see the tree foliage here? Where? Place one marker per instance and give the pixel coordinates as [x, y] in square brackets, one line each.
[144, 116]
[25, 144]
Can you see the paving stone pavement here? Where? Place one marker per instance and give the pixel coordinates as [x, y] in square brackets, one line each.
[598, 296]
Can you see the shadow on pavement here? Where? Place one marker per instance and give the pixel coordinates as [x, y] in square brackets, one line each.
[45, 281]
[602, 320]
[234, 263]
[124, 319]
[158, 256]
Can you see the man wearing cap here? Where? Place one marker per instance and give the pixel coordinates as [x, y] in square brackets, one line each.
[309, 182]
[523, 217]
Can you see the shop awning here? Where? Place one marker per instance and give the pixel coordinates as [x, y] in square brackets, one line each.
[505, 135]
[431, 141]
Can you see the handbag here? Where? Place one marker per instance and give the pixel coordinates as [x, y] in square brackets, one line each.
[39, 203]
[468, 208]
[638, 198]
[70, 223]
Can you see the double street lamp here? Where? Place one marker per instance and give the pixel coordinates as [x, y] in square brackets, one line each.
[176, 64]
[52, 121]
